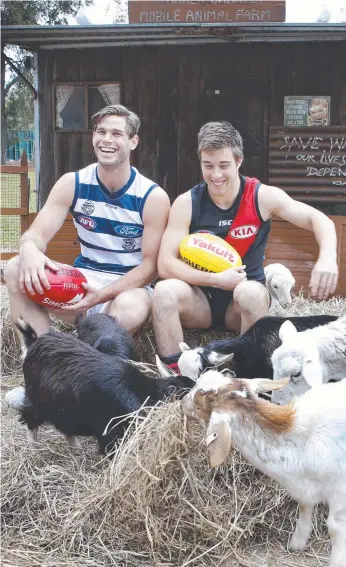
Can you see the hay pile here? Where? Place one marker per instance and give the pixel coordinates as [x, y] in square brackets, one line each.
[157, 503]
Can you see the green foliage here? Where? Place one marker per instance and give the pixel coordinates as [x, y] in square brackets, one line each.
[17, 105]
[19, 109]
[45, 12]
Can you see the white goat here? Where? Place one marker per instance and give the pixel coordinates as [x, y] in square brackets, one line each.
[310, 357]
[301, 445]
[279, 283]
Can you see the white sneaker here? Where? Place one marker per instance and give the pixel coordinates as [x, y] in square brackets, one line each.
[15, 398]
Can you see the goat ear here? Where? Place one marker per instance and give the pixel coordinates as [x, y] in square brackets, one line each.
[164, 371]
[259, 385]
[312, 370]
[216, 358]
[202, 397]
[218, 442]
[268, 276]
[287, 331]
[183, 347]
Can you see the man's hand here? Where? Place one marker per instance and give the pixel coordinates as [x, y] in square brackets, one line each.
[324, 278]
[31, 269]
[229, 279]
[92, 298]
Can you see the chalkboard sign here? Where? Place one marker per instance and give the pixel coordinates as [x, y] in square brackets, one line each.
[200, 12]
[309, 163]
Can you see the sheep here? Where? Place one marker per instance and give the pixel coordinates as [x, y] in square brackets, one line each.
[279, 283]
[252, 350]
[311, 357]
[79, 389]
[301, 445]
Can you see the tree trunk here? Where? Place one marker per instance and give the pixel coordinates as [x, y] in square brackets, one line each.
[3, 121]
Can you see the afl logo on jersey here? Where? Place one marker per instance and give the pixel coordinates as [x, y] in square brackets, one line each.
[87, 222]
[245, 231]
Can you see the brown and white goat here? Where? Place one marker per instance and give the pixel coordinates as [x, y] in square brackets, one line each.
[301, 445]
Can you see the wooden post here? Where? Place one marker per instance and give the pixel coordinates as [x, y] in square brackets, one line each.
[24, 192]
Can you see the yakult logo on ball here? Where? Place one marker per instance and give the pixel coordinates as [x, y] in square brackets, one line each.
[245, 231]
[217, 250]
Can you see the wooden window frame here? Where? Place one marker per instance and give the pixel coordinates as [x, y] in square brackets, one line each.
[84, 84]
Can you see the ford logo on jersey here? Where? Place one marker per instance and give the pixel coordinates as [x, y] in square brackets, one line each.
[128, 231]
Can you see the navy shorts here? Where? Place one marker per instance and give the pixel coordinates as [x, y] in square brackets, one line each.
[219, 300]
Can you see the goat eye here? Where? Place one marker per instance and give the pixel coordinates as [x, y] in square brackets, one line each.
[275, 286]
[295, 374]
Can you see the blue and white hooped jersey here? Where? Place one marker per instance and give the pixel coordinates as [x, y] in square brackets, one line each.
[109, 225]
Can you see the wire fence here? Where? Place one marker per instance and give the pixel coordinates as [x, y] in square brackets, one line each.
[18, 198]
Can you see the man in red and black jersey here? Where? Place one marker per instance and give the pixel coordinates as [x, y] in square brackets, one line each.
[238, 209]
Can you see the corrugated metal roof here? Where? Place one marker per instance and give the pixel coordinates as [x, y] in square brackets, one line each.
[65, 37]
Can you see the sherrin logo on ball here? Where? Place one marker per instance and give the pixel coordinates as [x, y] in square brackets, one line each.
[208, 253]
[65, 288]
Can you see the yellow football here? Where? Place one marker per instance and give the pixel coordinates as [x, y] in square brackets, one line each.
[208, 253]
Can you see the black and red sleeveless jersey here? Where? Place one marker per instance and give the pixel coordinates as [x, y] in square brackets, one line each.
[241, 225]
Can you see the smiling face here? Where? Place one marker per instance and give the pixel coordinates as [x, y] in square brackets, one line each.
[112, 145]
[220, 170]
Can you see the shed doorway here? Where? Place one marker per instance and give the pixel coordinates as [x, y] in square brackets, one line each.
[245, 104]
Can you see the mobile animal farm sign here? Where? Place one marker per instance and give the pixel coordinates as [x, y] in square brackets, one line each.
[199, 12]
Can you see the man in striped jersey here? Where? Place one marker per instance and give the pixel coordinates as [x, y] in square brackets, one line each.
[120, 217]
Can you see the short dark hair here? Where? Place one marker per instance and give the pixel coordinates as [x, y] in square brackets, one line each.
[218, 135]
[132, 122]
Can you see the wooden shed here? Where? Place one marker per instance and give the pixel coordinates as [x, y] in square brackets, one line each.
[176, 77]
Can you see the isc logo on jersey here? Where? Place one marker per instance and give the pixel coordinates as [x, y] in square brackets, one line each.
[245, 231]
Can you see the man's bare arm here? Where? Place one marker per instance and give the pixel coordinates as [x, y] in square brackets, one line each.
[52, 216]
[33, 242]
[324, 276]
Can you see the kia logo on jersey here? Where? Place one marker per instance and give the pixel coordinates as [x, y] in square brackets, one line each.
[244, 231]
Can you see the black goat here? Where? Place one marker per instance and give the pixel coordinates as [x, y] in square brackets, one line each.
[250, 353]
[79, 389]
[104, 333]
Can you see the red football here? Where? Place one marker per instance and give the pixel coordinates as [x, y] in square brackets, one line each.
[65, 288]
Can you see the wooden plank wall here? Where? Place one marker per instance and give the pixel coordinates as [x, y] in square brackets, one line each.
[297, 249]
[165, 85]
[294, 247]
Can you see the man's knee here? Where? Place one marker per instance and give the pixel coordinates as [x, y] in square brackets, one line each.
[167, 295]
[11, 273]
[129, 303]
[251, 294]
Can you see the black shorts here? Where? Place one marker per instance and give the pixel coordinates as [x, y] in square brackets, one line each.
[219, 300]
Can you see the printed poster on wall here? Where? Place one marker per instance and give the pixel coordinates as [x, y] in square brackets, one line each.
[305, 111]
